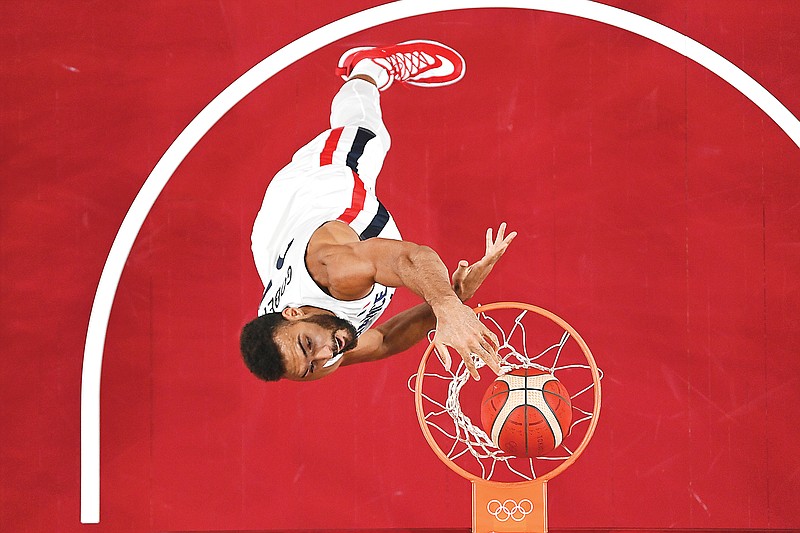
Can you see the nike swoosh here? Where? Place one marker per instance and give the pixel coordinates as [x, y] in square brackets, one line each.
[282, 258]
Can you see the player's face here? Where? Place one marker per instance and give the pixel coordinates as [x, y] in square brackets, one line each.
[311, 342]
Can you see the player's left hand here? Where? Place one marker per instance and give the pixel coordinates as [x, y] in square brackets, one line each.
[468, 278]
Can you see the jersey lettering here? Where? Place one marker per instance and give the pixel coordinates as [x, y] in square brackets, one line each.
[378, 303]
[275, 301]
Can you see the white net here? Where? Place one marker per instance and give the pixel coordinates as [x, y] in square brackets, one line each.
[527, 340]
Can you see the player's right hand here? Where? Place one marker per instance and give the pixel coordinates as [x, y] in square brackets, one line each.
[458, 327]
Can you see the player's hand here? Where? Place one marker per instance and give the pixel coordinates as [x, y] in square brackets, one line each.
[468, 278]
[457, 326]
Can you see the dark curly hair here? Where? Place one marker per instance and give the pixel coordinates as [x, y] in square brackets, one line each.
[259, 351]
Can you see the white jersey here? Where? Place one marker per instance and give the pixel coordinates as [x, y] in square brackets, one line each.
[322, 183]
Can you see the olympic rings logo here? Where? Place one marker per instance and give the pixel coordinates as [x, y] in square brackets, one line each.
[510, 509]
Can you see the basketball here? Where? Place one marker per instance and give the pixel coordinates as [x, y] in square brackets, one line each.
[526, 412]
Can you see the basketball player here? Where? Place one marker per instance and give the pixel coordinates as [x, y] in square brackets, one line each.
[330, 254]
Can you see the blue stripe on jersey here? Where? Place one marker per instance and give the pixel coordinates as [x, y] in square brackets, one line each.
[363, 136]
[377, 224]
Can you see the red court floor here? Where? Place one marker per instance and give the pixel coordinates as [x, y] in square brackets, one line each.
[467, 530]
[658, 211]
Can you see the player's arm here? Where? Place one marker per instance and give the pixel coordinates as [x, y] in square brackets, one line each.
[348, 269]
[396, 335]
[407, 328]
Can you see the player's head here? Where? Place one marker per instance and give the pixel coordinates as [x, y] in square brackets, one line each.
[298, 343]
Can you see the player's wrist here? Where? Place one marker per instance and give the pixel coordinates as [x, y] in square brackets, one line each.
[444, 302]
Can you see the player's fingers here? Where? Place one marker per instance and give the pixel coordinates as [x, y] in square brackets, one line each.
[487, 333]
[460, 278]
[503, 247]
[460, 272]
[489, 345]
[489, 355]
[444, 355]
[473, 371]
[489, 240]
[490, 358]
[501, 231]
[500, 245]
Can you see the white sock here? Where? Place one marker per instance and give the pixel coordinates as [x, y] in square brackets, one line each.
[370, 68]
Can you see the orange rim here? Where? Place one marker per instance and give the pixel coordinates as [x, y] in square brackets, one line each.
[592, 423]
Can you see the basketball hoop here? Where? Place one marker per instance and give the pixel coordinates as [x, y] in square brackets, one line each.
[509, 494]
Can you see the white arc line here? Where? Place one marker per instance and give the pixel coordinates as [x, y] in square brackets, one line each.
[224, 102]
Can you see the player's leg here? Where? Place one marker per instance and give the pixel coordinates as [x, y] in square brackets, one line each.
[356, 108]
[370, 69]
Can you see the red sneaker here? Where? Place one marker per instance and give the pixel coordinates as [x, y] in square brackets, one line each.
[420, 63]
